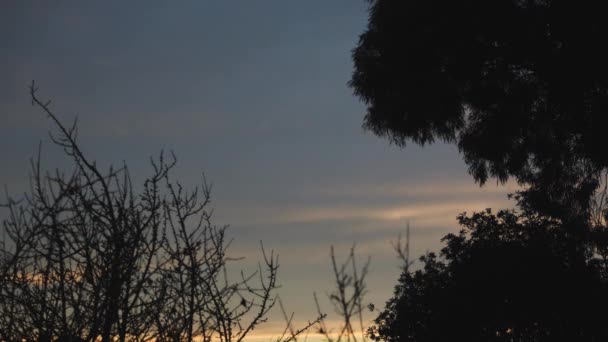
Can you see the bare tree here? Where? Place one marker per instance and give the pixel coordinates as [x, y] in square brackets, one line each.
[86, 257]
[348, 295]
[347, 299]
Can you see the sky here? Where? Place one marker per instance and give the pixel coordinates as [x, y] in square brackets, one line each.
[254, 95]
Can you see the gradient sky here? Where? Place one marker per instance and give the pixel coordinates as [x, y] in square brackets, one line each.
[253, 94]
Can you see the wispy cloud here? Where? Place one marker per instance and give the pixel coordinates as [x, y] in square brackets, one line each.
[426, 204]
[428, 188]
[415, 211]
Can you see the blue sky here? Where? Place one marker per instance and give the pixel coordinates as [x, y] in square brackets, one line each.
[253, 94]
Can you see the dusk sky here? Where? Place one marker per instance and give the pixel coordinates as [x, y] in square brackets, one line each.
[252, 93]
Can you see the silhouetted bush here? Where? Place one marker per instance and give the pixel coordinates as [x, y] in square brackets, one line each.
[504, 277]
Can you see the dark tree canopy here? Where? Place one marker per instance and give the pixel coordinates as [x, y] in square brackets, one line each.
[505, 277]
[520, 86]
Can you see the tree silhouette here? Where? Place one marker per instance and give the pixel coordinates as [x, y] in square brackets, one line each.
[504, 277]
[88, 256]
[520, 86]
